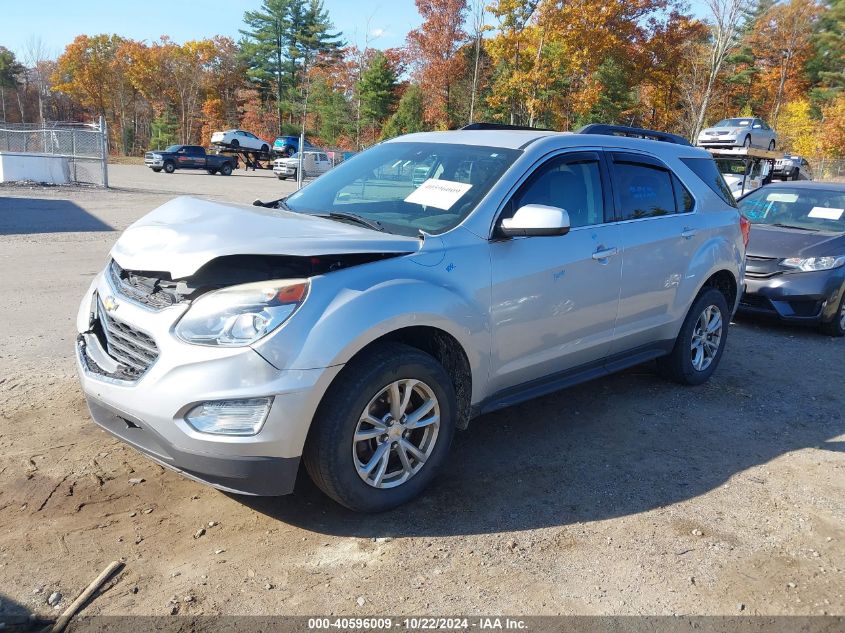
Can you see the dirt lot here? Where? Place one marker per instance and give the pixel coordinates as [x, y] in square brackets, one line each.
[623, 496]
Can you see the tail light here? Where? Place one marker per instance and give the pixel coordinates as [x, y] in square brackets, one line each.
[745, 227]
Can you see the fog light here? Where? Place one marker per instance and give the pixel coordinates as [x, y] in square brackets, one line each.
[230, 417]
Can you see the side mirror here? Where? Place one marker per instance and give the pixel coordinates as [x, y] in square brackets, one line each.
[536, 220]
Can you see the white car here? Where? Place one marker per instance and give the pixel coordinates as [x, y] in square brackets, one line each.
[313, 164]
[739, 132]
[239, 138]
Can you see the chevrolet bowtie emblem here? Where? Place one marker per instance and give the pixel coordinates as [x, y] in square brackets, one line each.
[110, 304]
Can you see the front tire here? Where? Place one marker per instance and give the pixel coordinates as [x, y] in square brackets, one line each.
[383, 429]
[747, 142]
[701, 341]
[265, 148]
[169, 168]
[836, 327]
[235, 144]
[156, 169]
[772, 146]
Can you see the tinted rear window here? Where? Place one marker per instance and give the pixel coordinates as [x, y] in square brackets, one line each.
[705, 168]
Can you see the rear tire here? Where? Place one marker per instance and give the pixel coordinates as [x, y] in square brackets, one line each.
[836, 327]
[235, 144]
[282, 177]
[226, 169]
[265, 148]
[772, 146]
[700, 342]
[169, 167]
[377, 472]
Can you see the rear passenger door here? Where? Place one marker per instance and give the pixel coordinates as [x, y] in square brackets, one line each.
[659, 235]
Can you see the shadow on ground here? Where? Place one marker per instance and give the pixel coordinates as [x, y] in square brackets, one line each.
[618, 446]
[24, 216]
[14, 616]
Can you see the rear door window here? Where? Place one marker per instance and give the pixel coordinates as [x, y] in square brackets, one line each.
[643, 188]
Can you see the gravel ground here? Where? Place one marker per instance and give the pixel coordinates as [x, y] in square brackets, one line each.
[626, 495]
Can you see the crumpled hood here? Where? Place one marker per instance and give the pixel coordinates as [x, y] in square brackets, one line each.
[184, 234]
[774, 241]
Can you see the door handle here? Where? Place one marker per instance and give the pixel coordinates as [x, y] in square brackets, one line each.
[688, 233]
[605, 253]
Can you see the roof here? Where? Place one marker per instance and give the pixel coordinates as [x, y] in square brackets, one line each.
[521, 139]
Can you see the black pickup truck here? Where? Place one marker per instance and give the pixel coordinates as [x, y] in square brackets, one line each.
[189, 157]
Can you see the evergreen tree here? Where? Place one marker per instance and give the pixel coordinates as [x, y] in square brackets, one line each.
[616, 96]
[377, 90]
[409, 113]
[10, 70]
[827, 67]
[331, 112]
[280, 42]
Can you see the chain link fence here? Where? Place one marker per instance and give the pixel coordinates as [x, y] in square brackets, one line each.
[84, 145]
[829, 169]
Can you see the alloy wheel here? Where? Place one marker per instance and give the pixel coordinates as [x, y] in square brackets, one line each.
[706, 338]
[842, 315]
[396, 433]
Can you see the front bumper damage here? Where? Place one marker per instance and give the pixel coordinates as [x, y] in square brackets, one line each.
[148, 410]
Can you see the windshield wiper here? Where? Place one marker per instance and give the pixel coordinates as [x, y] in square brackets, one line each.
[792, 226]
[344, 215]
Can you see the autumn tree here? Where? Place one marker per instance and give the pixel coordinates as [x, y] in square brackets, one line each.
[797, 130]
[432, 52]
[725, 21]
[832, 134]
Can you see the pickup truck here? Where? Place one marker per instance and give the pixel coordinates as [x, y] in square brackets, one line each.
[313, 164]
[189, 157]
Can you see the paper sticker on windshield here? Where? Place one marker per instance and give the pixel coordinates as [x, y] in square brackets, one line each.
[782, 197]
[826, 213]
[441, 194]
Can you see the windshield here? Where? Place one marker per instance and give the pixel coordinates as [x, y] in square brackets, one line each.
[814, 209]
[408, 187]
[734, 123]
[173, 148]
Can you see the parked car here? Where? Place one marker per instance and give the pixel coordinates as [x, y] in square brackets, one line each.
[314, 164]
[739, 132]
[189, 157]
[357, 323]
[793, 167]
[289, 145]
[239, 139]
[795, 268]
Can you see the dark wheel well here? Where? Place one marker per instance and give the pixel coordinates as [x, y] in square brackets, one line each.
[447, 351]
[724, 282]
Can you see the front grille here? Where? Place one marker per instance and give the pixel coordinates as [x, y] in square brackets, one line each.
[138, 288]
[133, 349]
[761, 267]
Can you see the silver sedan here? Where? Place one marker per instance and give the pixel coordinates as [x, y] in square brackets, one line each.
[739, 132]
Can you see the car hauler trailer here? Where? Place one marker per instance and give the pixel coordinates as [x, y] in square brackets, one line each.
[746, 168]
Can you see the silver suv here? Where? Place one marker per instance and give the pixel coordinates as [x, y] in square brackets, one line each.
[357, 323]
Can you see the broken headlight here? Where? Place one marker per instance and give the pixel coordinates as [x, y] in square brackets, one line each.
[240, 315]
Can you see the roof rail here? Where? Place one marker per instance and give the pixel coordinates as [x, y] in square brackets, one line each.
[501, 126]
[633, 132]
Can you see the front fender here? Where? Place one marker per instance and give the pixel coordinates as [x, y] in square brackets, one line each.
[344, 313]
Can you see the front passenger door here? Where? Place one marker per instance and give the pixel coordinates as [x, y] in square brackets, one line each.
[554, 298]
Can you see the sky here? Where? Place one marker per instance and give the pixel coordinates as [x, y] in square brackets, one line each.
[57, 22]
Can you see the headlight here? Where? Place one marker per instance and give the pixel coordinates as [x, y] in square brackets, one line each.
[240, 315]
[813, 263]
[157, 156]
